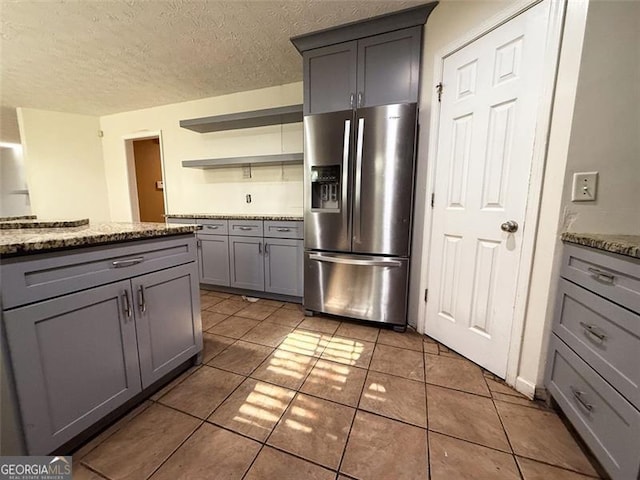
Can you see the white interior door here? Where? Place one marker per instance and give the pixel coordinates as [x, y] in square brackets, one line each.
[488, 114]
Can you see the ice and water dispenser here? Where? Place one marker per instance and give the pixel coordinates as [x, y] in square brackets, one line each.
[325, 187]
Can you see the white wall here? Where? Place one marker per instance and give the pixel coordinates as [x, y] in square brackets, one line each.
[13, 186]
[601, 133]
[275, 190]
[450, 20]
[63, 163]
[606, 128]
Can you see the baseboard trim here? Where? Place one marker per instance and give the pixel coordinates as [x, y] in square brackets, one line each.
[525, 387]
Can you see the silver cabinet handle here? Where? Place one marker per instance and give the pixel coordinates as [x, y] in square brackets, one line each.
[358, 186]
[282, 229]
[600, 275]
[141, 299]
[593, 330]
[127, 263]
[127, 303]
[355, 261]
[259, 248]
[579, 396]
[212, 227]
[199, 243]
[360, 99]
[351, 99]
[266, 248]
[510, 227]
[245, 229]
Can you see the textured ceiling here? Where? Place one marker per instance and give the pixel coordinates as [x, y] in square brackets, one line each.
[107, 56]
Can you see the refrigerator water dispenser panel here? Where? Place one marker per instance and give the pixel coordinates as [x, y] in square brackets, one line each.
[325, 188]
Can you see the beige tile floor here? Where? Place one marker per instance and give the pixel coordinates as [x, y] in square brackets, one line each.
[282, 396]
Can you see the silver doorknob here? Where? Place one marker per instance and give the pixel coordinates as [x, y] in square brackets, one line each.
[509, 227]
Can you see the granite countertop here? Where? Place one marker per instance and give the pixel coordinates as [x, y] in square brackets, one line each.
[239, 216]
[622, 244]
[17, 217]
[34, 223]
[24, 241]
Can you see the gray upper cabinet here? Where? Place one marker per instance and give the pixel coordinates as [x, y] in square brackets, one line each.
[379, 70]
[75, 359]
[330, 78]
[389, 68]
[364, 64]
[168, 330]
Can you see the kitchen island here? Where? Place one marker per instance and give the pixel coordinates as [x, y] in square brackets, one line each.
[94, 318]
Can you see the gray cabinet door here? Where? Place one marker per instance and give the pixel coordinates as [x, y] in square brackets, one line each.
[213, 259]
[283, 271]
[246, 264]
[75, 359]
[389, 68]
[167, 320]
[330, 78]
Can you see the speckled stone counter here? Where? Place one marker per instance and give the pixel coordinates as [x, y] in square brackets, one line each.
[24, 241]
[18, 217]
[33, 223]
[211, 216]
[622, 244]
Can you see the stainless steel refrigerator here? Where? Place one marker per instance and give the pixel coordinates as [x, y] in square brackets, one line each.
[358, 199]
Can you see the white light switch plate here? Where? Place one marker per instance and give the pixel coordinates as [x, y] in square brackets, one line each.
[585, 186]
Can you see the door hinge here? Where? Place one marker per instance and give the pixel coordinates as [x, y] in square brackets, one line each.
[439, 90]
[433, 199]
[426, 294]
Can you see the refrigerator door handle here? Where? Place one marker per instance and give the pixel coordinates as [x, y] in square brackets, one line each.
[358, 183]
[355, 261]
[345, 162]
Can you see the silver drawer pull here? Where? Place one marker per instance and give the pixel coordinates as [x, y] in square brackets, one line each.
[127, 263]
[142, 301]
[212, 227]
[283, 229]
[602, 275]
[593, 330]
[579, 396]
[245, 228]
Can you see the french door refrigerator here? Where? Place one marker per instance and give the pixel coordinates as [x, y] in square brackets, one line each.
[358, 199]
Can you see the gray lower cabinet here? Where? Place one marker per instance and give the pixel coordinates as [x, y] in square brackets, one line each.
[283, 266]
[246, 264]
[213, 259]
[75, 359]
[113, 321]
[166, 304]
[593, 371]
[377, 70]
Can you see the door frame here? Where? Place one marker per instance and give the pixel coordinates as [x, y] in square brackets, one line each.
[534, 193]
[131, 169]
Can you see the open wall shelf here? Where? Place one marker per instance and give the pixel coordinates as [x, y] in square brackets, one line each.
[258, 160]
[255, 118]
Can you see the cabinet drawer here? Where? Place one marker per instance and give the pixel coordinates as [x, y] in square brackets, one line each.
[612, 276]
[274, 229]
[604, 334]
[607, 423]
[38, 277]
[245, 228]
[214, 227]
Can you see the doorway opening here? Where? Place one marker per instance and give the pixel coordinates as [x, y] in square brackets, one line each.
[146, 178]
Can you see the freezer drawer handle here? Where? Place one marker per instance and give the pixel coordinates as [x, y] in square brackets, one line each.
[129, 262]
[355, 261]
